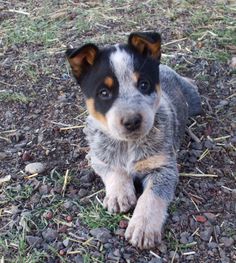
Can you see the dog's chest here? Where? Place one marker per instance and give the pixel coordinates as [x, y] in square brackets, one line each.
[121, 154]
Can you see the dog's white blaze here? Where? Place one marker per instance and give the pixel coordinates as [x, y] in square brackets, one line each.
[123, 67]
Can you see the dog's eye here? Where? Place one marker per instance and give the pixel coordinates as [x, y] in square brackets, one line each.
[104, 94]
[144, 86]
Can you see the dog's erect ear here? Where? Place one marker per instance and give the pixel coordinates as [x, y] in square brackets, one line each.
[81, 59]
[146, 43]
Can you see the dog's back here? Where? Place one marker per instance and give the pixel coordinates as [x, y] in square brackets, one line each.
[180, 90]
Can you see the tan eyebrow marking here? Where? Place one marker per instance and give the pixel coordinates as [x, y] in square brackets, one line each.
[135, 77]
[108, 81]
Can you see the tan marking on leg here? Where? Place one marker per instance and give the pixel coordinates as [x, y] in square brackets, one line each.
[153, 162]
[120, 192]
[108, 81]
[145, 226]
[97, 115]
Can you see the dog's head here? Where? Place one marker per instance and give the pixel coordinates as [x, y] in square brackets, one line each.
[121, 84]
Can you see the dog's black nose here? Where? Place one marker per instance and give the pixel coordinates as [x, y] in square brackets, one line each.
[132, 123]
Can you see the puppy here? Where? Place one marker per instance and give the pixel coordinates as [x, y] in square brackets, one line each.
[138, 111]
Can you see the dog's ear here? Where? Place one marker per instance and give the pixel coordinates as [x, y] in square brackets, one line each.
[146, 43]
[81, 59]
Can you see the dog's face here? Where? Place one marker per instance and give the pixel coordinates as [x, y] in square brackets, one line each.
[121, 84]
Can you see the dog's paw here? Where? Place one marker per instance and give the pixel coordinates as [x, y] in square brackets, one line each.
[144, 232]
[120, 200]
[145, 226]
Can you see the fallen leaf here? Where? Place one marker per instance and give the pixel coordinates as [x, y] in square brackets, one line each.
[201, 219]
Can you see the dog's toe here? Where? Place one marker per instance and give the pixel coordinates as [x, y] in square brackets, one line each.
[119, 202]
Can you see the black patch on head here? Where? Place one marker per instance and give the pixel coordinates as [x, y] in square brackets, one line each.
[93, 84]
[147, 69]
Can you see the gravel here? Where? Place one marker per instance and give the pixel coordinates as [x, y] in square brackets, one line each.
[33, 168]
[101, 234]
[50, 235]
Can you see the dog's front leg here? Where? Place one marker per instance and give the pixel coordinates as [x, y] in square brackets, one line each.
[120, 191]
[145, 226]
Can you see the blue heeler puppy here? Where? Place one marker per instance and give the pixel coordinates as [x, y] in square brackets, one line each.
[138, 111]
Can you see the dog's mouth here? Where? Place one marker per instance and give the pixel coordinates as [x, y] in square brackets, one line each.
[124, 135]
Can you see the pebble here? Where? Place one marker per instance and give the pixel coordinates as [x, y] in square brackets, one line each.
[156, 260]
[228, 241]
[184, 238]
[82, 193]
[206, 234]
[78, 259]
[162, 248]
[87, 177]
[50, 235]
[67, 204]
[175, 255]
[212, 245]
[102, 234]
[120, 232]
[34, 241]
[44, 189]
[66, 242]
[117, 253]
[3, 155]
[33, 168]
[233, 63]
[211, 217]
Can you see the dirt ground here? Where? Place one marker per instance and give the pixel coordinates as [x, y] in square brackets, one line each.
[56, 215]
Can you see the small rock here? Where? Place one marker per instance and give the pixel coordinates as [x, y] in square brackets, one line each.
[82, 193]
[156, 260]
[184, 237]
[209, 144]
[87, 177]
[33, 168]
[228, 241]
[120, 232]
[34, 241]
[162, 248]
[67, 204]
[50, 235]
[26, 156]
[212, 245]
[78, 259]
[175, 255]
[102, 234]
[117, 253]
[3, 155]
[206, 234]
[66, 242]
[211, 217]
[44, 189]
[176, 218]
[223, 103]
[233, 63]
